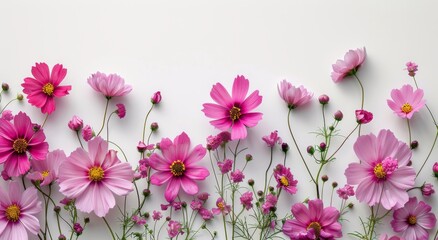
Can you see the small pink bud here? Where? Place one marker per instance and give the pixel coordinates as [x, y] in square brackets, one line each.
[121, 110]
[156, 98]
[75, 123]
[363, 117]
[323, 99]
[338, 115]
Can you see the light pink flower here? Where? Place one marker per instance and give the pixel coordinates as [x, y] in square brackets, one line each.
[272, 139]
[315, 222]
[111, 86]
[17, 212]
[44, 87]
[121, 110]
[234, 111]
[46, 171]
[353, 59]
[412, 68]
[294, 96]
[7, 115]
[222, 207]
[93, 177]
[285, 179]
[405, 101]
[382, 175]
[177, 166]
[345, 192]
[75, 123]
[363, 117]
[18, 138]
[87, 133]
[414, 220]
[174, 228]
[246, 200]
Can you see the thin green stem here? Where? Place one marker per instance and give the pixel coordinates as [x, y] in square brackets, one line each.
[343, 142]
[107, 126]
[362, 91]
[109, 228]
[79, 139]
[317, 181]
[409, 131]
[8, 104]
[104, 116]
[45, 120]
[225, 226]
[267, 170]
[145, 121]
[428, 155]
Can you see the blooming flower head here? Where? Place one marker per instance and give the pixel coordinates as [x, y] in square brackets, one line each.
[156, 215]
[121, 110]
[7, 115]
[139, 220]
[345, 192]
[205, 214]
[246, 200]
[294, 96]
[412, 68]
[111, 86]
[382, 175]
[17, 139]
[237, 176]
[93, 177]
[270, 202]
[42, 89]
[75, 123]
[17, 212]
[196, 204]
[174, 228]
[427, 189]
[222, 207]
[272, 139]
[225, 166]
[349, 66]
[78, 229]
[177, 166]
[46, 171]
[363, 117]
[414, 220]
[234, 111]
[405, 101]
[285, 179]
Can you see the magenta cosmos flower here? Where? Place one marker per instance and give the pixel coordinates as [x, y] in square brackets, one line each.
[17, 212]
[352, 61]
[234, 111]
[285, 179]
[315, 222]
[46, 171]
[18, 138]
[44, 87]
[405, 101]
[176, 166]
[111, 86]
[414, 220]
[382, 175]
[93, 177]
[294, 96]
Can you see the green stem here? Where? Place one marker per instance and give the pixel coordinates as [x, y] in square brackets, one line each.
[45, 120]
[145, 121]
[104, 115]
[343, 142]
[409, 130]
[427, 107]
[361, 89]
[267, 170]
[79, 139]
[225, 227]
[428, 155]
[107, 126]
[109, 228]
[8, 104]
[317, 181]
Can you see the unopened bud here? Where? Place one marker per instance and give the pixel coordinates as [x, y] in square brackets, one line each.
[323, 99]
[414, 144]
[338, 116]
[334, 184]
[154, 126]
[310, 150]
[248, 157]
[20, 97]
[5, 87]
[284, 147]
[324, 178]
[251, 182]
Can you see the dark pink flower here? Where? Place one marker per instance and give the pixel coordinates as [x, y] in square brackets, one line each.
[138, 220]
[246, 200]
[323, 99]
[294, 96]
[363, 117]
[234, 111]
[196, 204]
[46, 171]
[345, 192]
[44, 87]
[17, 139]
[121, 110]
[7, 115]
[270, 202]
[177, 166]
[272, 139]
[414, 220]
[427, 189]
[435, 169]
[174, 228]
[338, 116]
[75, 123]
[156, 215]
[87, 133]
[412, 68]
[156, 98]
[353, 59]
[405, 101]
[77, 228]
[205, 214]
[222, 207]
[203, 196]
[237, 176]
[225, 166]
[213, 142]
[315, 222]
[111, 86]
[285, 179]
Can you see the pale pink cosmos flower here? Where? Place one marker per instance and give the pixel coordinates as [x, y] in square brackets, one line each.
[111, 86]
[272, 139]
[285, 179]
[382, 175]
[177, 166]
[315, 222]
[294, 96]
[353, 59]
[46, 171]
[234, 111]
[405, 101]
[17, 139]
[93, 177]
[42, 89]
[414, 220]
[17, 212]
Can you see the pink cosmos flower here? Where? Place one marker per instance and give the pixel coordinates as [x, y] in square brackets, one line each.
[18, 138]
[270, 202]
[294, 96]
[234, 111]
[285, 179]
[17, 212]
[44, 87]
[427, 189]
[7, 115]
[156, 98]
[315, 222]
[386, 237]
[111, 86]
[205, 214]
[363, 117]
[237, 176]
[121, 110]
[349, 66]
[345, 192]
[412, 68]
[382, 175]
[405, 101]
[75, 123]
[46, 171]
[225, 166]
[177, 166]
[272, 139]
[196, 204]
[246, 200]
[222, 207]
[87, 133]
[139, 220]
[156, 215]
[414, 220]
[174, 228]
[93, 177]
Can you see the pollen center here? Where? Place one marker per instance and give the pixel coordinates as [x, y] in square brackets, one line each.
[316, 226]
[48, 89]
[20, 145]
[284, 181]
[177, 168]
[406, 108]
[45, 173]
[220, 205]
[13, 213]
[412, 220]
[379, 171]
[235, 113]
[96, 174]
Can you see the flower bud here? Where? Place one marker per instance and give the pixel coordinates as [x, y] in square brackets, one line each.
[146, 192]
[75, 123]
[141, 146]
[363, 117]
[62, 237]
[322, 146]
[414, 144]
[310, 150]
[168, 218]
[427, 189]
[260, 193]
[86, 220]
[20, 97]
[323, 99]
[251, 182]
[156, 98]
[338, 115]
[350, 205]
[248, 157]
[271, 188]
[284, 147]
[57, 209]
[334, 184]
[435, 169]
[324, 178]
[78, 229]
[154, 126]
[5, 87]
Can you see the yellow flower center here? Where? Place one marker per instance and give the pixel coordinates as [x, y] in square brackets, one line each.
[406, 108]
[48, 89]
[412, 220]
[284, 181]
[20, 145]
[379, 171]
[235, 113]
[96, 174]
[220, 205]
[177, 168]
[13, 213]
[316, 226]
[45, 173]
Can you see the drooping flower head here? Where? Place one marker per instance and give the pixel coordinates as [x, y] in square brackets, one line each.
[46, 171]
[17, 139]
[382, 175]
[17, 212]
[75, 123]
[111, 86]
[414, 220]
[87, 133]
[121, 110]
[272, 139]
[294, 96]
[234, 111]
[315, 222]
[412, 68]
[93, 177]
[363, 117]
[353, 59]
[177, 166]
[405, 101]
[174, 229]
[285, 179]
[42, 89]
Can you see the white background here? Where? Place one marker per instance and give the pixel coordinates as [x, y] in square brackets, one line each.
[182, 48]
